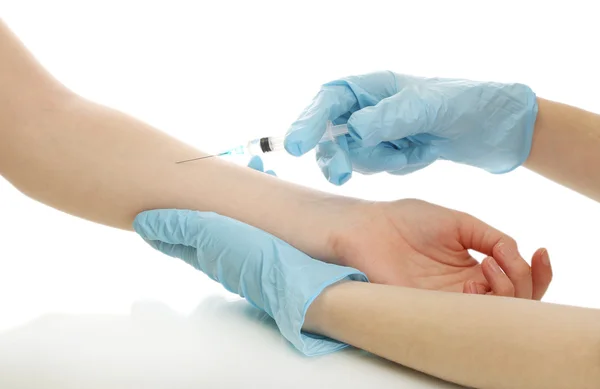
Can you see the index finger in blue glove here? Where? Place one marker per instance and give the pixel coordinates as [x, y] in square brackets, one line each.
[170, 232]
[330, 103]
[170, 226]
[187, 253]
[406, 113]
[179, 233]
[337, 99]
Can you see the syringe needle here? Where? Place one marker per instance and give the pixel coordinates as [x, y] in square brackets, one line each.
[273, 143]
[196, 159]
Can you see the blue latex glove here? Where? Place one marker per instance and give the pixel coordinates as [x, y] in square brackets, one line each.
[272, 275]
[400, 124]
[256, 163]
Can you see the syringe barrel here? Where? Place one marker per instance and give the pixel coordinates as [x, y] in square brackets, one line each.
[253, 147]
[265, 145]
[275, 143]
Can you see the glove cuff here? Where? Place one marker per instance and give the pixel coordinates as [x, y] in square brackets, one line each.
[291, 319]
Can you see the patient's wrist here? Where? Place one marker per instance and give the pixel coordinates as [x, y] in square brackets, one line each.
[333, 216]
[317, 222]
[351, 230]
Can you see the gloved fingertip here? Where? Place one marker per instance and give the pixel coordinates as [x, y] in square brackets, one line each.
[340, 179]
[337, 175]
[256, 163]
[271, 172]
[334, 161]
[293, 147]
[139, 222]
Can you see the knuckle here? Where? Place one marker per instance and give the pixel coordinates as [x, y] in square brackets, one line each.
[509, 241]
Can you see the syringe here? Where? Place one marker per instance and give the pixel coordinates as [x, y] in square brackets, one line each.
[273, 143]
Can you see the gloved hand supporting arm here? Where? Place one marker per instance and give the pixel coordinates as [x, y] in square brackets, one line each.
[479, 341]
[269, 273]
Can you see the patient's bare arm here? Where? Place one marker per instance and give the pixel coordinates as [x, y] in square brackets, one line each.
[103, 165]
[476, 341]
[566, 147]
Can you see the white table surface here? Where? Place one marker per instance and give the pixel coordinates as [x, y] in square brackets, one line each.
[222, 344]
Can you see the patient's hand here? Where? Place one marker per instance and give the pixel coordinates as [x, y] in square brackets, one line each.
[417, 244]
[421, 245]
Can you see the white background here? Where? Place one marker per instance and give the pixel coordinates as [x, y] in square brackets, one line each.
[212, 72]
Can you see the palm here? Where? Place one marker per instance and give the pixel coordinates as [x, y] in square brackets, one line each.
[415, 244]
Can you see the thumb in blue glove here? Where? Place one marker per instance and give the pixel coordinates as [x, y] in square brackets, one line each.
[272, 275]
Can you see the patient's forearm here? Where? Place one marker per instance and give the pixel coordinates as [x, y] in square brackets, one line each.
[477, 341]
[566, 147]
[102, 165]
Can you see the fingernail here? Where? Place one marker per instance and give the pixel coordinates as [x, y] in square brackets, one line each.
[494, 265]
[472, 287]
[545, 257]
[505, 251]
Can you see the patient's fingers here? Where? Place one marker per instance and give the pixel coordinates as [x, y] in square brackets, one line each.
[541, 271]
[509, 275]
[499, 282]
[515, 267]
[468, 288]
[479, 236]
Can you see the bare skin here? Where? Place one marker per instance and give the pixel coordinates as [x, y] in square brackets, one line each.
[476, 341]
[102, 165]
[566, 147]
[105, 166]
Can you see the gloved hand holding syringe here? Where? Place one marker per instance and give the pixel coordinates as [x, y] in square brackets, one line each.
[269, 144]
